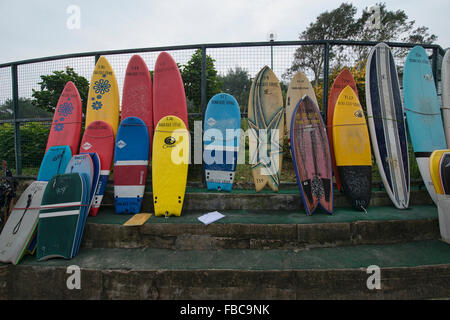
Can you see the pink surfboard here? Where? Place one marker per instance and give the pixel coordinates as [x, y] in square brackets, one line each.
[66, 125]
[311, 156]
[345, 78]
[99, 138]
[169, 98]
[137, 97]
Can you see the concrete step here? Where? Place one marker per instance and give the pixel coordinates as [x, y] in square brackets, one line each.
[253, 229]
[411, 270]
[288, 198]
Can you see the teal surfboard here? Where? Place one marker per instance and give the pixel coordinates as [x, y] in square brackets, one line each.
[221, 141]
[83, 165]
[55, 162]
[60, 210]
[423, 114]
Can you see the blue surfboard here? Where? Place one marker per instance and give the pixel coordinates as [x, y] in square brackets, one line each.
[83, 165]
[130, 165]
[423, 114]
[221, 137]
[96, 175]
[54, 162]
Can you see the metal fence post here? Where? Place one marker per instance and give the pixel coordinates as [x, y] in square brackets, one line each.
[203, 91]
[17, 140]
[326, 67]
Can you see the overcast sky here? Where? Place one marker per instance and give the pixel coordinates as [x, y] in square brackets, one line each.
[32, 29]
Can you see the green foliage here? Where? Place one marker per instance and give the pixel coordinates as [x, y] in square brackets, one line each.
[237, 82]
[26, 110]
[34, 140]
[52, 86]
[192, 75]
[342, 23]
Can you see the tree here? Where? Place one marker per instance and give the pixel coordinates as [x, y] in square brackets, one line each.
[53, 85]
[192, 75]
[26, 110]
[237, 82]
[342, 23]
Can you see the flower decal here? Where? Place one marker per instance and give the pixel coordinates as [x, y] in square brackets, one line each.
[102, 86]
[65, 109]
[59, 127]
[97, 105]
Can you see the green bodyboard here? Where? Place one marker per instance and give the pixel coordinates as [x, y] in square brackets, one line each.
[58, 217]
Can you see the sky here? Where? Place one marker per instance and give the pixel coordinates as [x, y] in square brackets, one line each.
[41, 28]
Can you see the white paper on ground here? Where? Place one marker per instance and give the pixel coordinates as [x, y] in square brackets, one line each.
[210, 217]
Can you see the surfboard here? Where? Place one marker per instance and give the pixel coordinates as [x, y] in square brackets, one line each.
[344, 78]
[130, 165]
[61, 205]
[423, 114]
[21, 223]
[387, 126]
[99, 138]
[266, 128]
[299, 86]
[169, 98]
[445, 76]
[221, 139]
[435, 167]
[137, 95]
[103, 96]
[83, 165]
[55, 162]
[171, 147]
[66, 124]
[311, 156]
[444, 172]
[352, 149]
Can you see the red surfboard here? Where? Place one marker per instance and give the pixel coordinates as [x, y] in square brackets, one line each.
[169, 98]
[99, 138]
[311, 156]
[66, 125]
[345, 78]
[137, 98]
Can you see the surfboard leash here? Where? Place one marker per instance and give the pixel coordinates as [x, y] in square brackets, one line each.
[19, 223]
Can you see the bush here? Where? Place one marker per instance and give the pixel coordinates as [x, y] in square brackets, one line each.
[34, 137]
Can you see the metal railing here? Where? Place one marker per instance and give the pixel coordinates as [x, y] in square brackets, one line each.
[250, 56]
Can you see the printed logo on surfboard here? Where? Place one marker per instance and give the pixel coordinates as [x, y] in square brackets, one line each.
[169, 142]
[121, 144]
[86, 146]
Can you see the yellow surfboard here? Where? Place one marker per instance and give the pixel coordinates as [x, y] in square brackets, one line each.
[266, 124]
[352, 148]
[103, 97]
[298, 87]
[171, 147]
[435, 160]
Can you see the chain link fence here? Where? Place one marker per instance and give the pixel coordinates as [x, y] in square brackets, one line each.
[24, 128]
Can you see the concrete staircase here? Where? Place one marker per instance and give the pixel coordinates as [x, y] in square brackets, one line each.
[265, 248]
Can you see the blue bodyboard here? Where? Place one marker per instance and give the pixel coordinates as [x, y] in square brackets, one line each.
[83, 165]
[130, 165]
[54, 162]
